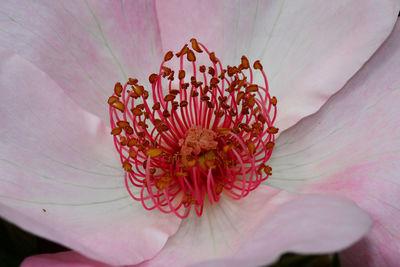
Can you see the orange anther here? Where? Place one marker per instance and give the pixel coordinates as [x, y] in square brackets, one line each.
[184, 85]
[132, 81]
[257, 65]
[211, 71]
[175, 105]
[269, 145]
[251, 147]
[210, 104]
[222, 75]
[166, 113]
[171, 76]
[273, 101]
[112, 99]
[153, 152]
[156, 106]
[118, 105]
[239, 97]
[127, 166]
[261, 118]
[118, 89]
[174, 91]
[122, 124]
[232, 71]
[195, 45]
[213, 58]
[252, 88]
[202, 68]
[129, 130]
[260, 168]
[214, 81]
[139, 90]
[183, 51]
[145, 94]
[251, 101]
[245, 62]
[169, 97]
[168, 56]
[123, 141]
[267, 170]
[116, 131]
[132, 142]
[184, 103]
[219, 113]
[190, 56]
[166, 71]
[181, 74]
[272, 130]
[137, 111]
[143, 124]
[153, 78]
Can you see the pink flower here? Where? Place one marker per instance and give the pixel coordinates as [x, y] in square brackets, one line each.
[62, 178]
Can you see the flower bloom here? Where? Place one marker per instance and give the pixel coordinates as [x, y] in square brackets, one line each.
[61, 176]
[211, 135]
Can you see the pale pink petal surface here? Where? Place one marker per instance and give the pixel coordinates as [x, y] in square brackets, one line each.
[84, 46]
[309, 49]
[311, 224]
[253, 231]
[351, 147]
[262, 226]
[60, 176]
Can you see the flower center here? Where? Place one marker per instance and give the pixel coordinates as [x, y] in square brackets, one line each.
[204, 132]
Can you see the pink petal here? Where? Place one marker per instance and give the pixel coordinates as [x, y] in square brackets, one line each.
[62, 259]
[309, 49]
[351, 147]
[309, 224]
[260, 227]
[84, 46]
[60, 176]
[251, 232]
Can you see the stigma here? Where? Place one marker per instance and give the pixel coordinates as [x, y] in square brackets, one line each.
[198, 132]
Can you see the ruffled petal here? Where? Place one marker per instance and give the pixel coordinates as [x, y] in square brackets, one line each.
[257, 229]
[309, 49]
[84, 46]
[351, 147]
[60, 176]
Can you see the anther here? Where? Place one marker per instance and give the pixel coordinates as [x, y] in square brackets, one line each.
[168, 56]
[257, 65]
[118, 89]
[195, 45]
[153, 78]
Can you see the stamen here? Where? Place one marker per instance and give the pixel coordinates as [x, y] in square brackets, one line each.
[208, 133]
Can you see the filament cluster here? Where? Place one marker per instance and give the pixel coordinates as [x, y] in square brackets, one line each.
[198, 131]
